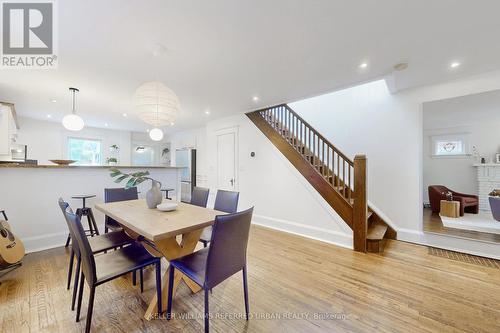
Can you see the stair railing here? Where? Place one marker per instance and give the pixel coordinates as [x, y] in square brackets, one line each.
[347, 177]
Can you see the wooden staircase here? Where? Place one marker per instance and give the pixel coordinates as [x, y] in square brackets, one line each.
[339, 180]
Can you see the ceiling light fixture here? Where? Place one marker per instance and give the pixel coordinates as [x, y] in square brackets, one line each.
[72, 121]
[124, 114]
[49, 116]
[207, 112]
[157, 105]
[53, 100]
[156, 134]
[255, 98]
[454, 64]
[363, 65]
[105, 124]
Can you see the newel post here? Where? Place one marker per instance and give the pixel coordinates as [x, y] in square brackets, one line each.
[360, 206]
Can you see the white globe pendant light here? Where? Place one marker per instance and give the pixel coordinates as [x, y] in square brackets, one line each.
[156, 105]
[72, 121]
[156, 134]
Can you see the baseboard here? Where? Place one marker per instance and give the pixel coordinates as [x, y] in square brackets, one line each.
[44, 242]
[316, 233]
[477, 248]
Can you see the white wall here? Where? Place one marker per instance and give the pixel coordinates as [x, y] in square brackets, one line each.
[479, 116]
[388, 129]
[48, 140]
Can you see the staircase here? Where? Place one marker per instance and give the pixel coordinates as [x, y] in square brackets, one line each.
[339, 180]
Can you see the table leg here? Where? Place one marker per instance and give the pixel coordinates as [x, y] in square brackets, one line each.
[171, 250]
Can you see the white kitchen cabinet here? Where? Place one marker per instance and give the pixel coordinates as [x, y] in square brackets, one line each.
[8, 131]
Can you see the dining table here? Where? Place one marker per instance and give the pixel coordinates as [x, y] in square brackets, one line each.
[170, 234]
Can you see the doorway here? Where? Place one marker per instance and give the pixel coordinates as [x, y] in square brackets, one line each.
[227, 159]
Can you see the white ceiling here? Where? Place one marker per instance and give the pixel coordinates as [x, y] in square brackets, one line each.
[220, 53]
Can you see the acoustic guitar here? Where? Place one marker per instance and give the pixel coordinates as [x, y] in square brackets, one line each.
[11, 247]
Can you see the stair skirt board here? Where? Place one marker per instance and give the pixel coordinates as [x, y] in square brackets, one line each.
[320, 234]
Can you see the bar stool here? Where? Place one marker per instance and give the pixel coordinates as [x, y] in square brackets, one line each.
[85, 211]
[166, 190]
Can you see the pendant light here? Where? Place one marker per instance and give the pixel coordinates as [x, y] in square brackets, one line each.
[72, 121]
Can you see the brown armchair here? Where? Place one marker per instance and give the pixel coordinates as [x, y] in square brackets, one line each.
[468, 202]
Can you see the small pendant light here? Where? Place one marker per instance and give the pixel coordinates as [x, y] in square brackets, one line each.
[72, 121]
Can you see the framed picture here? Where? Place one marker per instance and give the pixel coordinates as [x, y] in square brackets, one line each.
[497, 158]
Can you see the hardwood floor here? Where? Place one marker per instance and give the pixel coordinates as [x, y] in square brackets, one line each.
[404, 289]
[432, 224]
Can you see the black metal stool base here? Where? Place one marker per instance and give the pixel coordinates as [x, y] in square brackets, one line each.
[86, 211]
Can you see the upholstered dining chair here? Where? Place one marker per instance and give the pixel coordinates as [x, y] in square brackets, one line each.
[98, 244]
[225, 201]
[226, 256]
[107, 266]
[114, 195]
[199, 196]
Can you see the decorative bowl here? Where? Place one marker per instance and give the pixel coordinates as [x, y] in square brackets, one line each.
[62, 162]
[167, 206]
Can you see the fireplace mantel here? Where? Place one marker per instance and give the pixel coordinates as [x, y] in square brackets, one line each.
[488, 179]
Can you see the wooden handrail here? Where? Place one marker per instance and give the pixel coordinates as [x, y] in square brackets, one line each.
[340, 180]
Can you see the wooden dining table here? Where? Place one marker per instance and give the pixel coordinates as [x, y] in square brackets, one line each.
[174, 234]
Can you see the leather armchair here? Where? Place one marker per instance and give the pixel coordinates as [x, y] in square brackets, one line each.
[468, 202]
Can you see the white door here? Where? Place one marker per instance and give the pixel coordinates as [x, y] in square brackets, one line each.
[226, 160]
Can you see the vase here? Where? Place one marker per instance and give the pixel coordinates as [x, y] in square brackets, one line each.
[153, 196]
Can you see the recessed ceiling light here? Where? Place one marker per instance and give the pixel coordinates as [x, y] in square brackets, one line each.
[124, 114]
[53, 100]
[207, 112]
[455, 64]
[49, 116]
[363, 65]
[105, 124]
[255, 98]
[172, 124]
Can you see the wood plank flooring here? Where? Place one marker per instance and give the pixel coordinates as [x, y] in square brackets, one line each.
[432, 224]
[292, 282]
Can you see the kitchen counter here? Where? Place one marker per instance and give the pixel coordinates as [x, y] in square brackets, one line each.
[29, 195]
[55, 166]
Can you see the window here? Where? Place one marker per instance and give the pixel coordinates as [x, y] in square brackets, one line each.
[450, 145]
[85, 151]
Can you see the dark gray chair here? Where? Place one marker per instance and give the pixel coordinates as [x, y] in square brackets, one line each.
[98, 244]
[226, 256]
[114, 195]
[225, 201]
[199, 196]
[108, 266]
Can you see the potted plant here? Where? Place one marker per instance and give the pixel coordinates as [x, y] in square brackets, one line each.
[153, 195]
[112, 160]
[495, 204]
[114, 148]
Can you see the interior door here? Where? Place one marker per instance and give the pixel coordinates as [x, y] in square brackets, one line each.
[226, 160]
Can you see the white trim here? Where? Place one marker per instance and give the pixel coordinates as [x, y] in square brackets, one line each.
[457, 244]
[316, 233]
[44, 242]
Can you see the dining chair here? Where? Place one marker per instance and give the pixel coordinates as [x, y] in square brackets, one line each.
[98, 244]
[114, 195]
[199, 196]
[97, 270]
[225, 201]
[226, 256]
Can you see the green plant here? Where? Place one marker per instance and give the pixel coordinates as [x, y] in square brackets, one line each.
[165, 151]
[134, 179]
[114, 147]
[112, 160]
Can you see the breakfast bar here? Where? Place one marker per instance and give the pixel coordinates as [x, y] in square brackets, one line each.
[29, 193]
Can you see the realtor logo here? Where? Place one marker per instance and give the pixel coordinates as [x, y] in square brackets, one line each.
[28, 34]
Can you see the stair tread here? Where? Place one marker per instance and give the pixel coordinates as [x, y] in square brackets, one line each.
[376, 231]
[369, 215]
